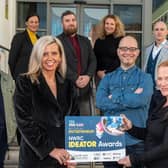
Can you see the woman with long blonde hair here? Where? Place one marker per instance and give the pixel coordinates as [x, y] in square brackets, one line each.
[43, 97]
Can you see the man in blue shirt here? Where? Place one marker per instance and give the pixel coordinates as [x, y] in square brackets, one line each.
[127, 90]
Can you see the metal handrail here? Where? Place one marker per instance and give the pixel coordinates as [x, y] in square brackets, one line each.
[4, 48]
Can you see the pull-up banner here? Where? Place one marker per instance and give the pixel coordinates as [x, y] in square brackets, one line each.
[94, 138]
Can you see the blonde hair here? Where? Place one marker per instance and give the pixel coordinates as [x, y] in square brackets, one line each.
[119, 30]
[163, 64]
[35, 63]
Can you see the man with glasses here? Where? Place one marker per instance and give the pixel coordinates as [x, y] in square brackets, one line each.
[157, 52]
[127, 90]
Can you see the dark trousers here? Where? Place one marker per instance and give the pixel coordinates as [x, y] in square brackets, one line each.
[84, 100]
[3, 144]
[84, 106]
[133, 149]
[18, 136]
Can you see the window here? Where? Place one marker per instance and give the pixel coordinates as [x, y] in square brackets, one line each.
[131, 15]
[56, 12]
[92, 16]
[24, 8]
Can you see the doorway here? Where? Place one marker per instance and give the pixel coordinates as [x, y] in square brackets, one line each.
[87, 15]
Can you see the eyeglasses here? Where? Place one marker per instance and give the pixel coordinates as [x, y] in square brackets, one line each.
[131, 49]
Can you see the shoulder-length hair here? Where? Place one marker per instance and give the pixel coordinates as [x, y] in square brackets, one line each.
[119, 30]
[35, 63]
[31, 15]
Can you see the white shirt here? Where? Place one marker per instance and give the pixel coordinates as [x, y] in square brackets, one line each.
[156, 49]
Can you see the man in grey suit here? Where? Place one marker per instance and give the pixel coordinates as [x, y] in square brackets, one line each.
[7, 117]
[157, 52]
[81, 61]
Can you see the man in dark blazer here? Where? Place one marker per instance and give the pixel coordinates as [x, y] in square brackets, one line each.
[81, 61]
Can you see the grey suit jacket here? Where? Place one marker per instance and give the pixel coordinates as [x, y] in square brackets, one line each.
[8, 86]
[88, 59]
[163, 56]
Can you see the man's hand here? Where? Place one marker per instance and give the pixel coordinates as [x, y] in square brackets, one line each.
[82, 81]
[138, 90]
[125, 161]
[101, 74]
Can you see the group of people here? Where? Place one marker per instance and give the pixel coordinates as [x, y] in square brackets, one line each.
[127, 91]
[52, 77]
[49, 86]
[140, 97]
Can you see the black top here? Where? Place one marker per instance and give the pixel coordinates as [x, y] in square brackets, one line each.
[106, 53]
[156, 137]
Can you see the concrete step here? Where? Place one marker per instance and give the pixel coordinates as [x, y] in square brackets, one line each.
[12, 156]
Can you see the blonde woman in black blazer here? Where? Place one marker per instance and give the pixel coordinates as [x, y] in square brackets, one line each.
[42, 99]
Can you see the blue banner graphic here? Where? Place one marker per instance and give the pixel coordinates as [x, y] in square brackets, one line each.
[94, 138]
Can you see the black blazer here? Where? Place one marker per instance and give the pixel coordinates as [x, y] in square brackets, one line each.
[88, 59]
[19, 54]
[155, 136]
[40, 119]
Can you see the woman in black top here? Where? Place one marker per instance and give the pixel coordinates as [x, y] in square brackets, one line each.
[156, 132]
[105, 47]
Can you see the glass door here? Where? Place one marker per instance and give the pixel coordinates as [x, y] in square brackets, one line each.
[56, 12]
[91, 15]
[87, 15]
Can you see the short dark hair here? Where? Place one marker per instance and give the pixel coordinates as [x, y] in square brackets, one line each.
[67, 12]
[31, 15]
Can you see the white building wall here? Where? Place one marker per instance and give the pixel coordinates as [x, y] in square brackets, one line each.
[7, 24]
[7, 29]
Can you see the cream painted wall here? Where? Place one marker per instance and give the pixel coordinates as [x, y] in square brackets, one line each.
[7, 25]
[7, 30]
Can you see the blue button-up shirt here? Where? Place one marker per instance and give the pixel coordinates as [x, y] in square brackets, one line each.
[117, 95]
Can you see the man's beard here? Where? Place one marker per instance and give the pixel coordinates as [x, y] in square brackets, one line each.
[70, 31]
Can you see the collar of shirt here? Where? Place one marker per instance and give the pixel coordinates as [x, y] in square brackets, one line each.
[72, 38]
[156, 49]
[129, 71]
